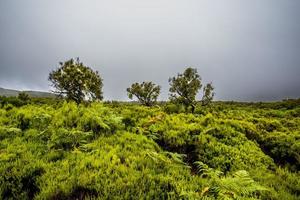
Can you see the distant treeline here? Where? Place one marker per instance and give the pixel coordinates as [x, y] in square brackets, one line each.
[18, 101]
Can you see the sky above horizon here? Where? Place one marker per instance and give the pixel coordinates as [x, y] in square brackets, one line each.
[250, 50]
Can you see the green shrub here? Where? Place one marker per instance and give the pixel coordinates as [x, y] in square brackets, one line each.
[59, 150]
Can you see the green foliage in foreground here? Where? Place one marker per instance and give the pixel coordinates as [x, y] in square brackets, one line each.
[60, 150]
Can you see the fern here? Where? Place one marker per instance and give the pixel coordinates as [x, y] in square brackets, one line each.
[239, 185]
[205, 171]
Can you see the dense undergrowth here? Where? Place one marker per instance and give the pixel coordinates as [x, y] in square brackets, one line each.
[58, 150]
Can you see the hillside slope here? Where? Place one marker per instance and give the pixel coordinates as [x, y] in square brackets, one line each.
[11, 93]
[127, 151]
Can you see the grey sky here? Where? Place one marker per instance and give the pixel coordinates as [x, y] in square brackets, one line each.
[250, 49]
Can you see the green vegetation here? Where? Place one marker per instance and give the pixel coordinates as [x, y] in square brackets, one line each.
[146, 92]
[76, 81]
[52, 149]
[208, 94]
[184, 88]
[75, 149]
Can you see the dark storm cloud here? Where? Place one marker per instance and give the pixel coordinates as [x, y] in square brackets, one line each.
[249, 49]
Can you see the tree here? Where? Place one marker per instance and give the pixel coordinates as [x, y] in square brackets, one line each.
[184, 87]
[23, 96]
[76, 81]
[208, 94]
[146, 92]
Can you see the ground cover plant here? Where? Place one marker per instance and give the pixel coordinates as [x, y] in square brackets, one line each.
[52, 149]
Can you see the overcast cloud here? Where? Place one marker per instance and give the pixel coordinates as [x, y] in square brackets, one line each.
[249, 49]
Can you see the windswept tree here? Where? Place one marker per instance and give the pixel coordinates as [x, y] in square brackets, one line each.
[23, 96]
[184, 87]
[76, 81]
[146, 92]
[208, 94]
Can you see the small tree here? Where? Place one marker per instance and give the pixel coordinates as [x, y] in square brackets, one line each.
[23, 96]
[185, 87]
[76, 82]
[208, 94]
[146, 92]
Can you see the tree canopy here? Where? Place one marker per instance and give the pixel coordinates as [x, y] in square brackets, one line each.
[146, 92]
[76, 82]
[23, 96]
[184, 87]
[208, 94]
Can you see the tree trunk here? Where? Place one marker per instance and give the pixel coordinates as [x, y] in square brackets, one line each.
[193, 108]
